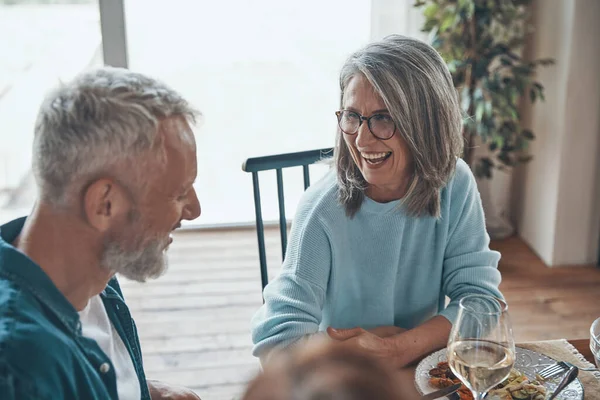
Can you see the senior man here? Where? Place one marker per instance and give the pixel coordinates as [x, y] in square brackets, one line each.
[114, 159]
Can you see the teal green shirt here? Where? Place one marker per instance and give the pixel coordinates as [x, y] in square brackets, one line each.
[43, 354]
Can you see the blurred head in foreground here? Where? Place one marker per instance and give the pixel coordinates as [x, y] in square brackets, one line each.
[326, 371]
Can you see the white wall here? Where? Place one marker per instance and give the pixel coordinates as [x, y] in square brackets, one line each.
[396, 16]
[557, 201]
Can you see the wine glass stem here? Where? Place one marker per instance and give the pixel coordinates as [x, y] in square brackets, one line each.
[478, 396]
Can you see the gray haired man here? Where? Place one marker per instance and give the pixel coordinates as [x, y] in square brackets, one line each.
[114, 159]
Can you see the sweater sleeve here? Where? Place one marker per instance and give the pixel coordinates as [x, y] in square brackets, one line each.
[469, 264]
[294, 300]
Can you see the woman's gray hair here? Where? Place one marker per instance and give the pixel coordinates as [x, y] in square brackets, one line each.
[417, 89]
[98, 125]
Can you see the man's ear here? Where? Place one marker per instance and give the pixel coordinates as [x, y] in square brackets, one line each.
[105, 202]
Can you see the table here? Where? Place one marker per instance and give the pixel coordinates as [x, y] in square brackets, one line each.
[583, 346]
[406, 375]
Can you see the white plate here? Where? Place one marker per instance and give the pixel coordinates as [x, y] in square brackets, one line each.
[528, 362]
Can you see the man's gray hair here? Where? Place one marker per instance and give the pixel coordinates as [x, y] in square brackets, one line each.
[96, 126]
[417, 89]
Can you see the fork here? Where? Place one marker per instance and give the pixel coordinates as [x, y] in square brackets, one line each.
[559, 367]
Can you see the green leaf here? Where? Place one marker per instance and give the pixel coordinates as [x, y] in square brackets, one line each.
[479, 110]
[479, 171]
[506, 61]
[478, 94]
[546, 61]
[540, 90]
[447, 22]
[489, 108]
[532, 95]
[524, 159]
[500, 141]
[465, 97]
[431, 10]
[454, 65]
[430, 25]
[527, 134]
[468, 7]
[483, 169]
[505, 159]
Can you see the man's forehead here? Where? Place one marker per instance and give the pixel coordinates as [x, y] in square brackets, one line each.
[177, 128]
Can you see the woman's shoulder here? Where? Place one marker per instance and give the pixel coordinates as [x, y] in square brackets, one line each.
[462, 181]
[460, 188]
[320, 200]
[322, 193]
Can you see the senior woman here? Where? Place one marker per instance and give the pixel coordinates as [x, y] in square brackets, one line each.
[395, 227]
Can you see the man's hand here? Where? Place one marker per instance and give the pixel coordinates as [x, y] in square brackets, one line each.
[163, 391]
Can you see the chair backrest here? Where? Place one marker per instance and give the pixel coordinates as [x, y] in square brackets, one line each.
[278, 162]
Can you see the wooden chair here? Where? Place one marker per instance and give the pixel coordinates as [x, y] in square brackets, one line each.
[278, 162]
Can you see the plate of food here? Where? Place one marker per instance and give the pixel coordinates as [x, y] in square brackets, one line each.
[433, 373]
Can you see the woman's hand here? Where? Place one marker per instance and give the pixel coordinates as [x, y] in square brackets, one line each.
[386, 331]
[399, 349]
[163, 391]
[358, 338]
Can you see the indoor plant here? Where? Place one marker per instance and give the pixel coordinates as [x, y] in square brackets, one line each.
[481, 42]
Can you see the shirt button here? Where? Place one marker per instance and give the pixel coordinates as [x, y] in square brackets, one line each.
[104, 368]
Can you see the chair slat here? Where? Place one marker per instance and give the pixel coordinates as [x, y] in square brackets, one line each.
[282, 220]
[278, 162]
[260, 232]
[306, 176]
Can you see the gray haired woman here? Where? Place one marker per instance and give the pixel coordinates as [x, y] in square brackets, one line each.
[378, 244]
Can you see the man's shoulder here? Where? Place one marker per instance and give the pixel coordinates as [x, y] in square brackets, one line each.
[28, 340]
[35, 354]
[16, 305]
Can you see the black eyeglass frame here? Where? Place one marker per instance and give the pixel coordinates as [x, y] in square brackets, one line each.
[361, 119]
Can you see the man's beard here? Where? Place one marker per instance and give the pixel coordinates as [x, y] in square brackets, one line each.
[147, 262]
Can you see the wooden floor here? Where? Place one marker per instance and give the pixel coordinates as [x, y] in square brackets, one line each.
[194, 321]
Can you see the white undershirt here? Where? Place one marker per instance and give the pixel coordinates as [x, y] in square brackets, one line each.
[96, 325]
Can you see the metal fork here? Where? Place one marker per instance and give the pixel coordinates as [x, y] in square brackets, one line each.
[558, 368]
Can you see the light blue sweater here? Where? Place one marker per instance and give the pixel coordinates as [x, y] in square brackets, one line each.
[380, 268]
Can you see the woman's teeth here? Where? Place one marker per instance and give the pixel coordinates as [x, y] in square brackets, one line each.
[376, 158]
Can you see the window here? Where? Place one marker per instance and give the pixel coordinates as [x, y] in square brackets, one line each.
[41, 42]
[264, 74]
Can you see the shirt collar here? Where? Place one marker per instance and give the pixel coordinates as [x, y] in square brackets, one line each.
[17, 267]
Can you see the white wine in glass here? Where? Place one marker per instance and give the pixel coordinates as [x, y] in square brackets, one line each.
[481, 348]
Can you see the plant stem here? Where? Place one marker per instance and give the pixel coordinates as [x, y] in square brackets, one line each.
[468, 135]
[469, 151]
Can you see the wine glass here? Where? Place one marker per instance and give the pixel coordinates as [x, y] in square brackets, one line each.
[595, 341]
[481, 348]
